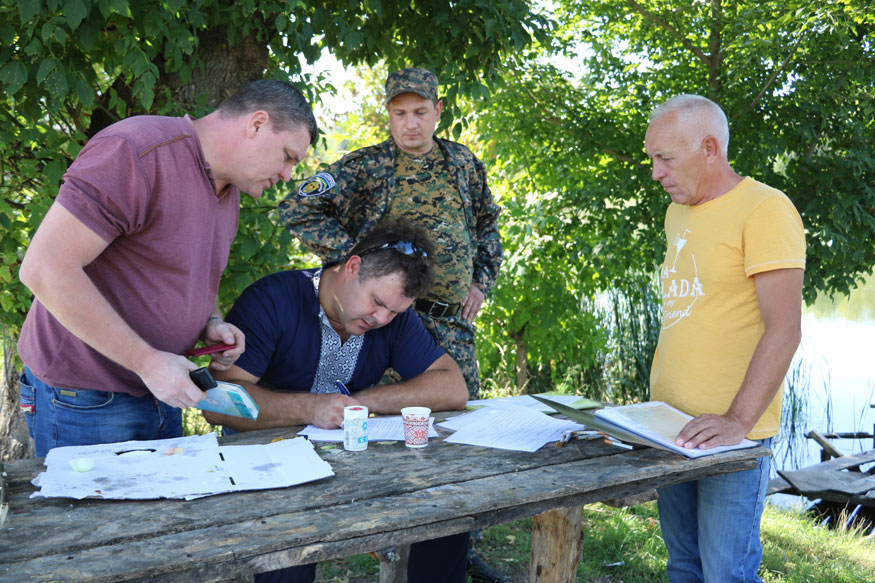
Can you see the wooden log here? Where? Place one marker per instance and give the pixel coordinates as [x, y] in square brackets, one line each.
[395, 569]
[557, 538]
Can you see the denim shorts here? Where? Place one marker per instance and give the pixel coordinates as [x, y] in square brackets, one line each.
[58, 417]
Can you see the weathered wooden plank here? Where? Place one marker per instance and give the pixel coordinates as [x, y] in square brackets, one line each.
[557, 539]
[812, 481]
[631, 500]
[388, 495]
[846, 462]
[779, 485]
[361, 525]
[358, 475]
[824, 443]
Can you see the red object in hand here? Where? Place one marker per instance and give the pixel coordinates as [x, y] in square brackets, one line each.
[209, 349]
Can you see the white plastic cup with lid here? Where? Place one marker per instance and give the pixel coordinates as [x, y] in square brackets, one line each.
[355, 428]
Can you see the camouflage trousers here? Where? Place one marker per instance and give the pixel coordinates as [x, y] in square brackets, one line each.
[456, 336]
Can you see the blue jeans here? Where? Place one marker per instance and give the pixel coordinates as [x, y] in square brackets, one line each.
[711, 526]
[57, 417]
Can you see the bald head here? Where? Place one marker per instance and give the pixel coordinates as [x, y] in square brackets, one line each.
[698, 117]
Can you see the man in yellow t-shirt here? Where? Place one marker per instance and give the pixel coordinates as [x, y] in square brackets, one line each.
[732, 304]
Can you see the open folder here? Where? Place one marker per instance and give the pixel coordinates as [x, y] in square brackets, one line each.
[654, 424]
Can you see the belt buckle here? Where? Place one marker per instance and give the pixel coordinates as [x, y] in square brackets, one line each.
[443, 307]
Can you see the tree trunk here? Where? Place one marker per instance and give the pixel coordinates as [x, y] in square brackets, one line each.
[224, 69]
[15, 442]
[522, 375]
[522, 352]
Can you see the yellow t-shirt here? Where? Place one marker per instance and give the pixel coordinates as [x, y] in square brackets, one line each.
[711, 322]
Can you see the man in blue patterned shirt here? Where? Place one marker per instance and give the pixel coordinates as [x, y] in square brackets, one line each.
[348, 321]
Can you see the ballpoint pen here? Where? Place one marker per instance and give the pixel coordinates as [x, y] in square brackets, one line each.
[342, 388]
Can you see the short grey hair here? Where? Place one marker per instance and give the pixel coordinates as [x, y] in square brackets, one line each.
[702, 116]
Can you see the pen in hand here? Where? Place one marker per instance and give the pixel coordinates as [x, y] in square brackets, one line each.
[342, 388]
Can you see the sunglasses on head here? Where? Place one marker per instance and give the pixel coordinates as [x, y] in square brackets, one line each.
[403, 247]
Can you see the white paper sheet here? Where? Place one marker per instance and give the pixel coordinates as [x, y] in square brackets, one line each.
[528, 402]
[379, 429]
[185, 467]
[274, 465]
[507, 427]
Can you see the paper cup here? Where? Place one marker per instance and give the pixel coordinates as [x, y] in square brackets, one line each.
[415, 426]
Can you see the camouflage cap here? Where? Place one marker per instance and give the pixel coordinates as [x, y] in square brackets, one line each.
[412, 80]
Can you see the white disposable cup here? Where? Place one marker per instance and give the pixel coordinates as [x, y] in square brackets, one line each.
[415, 421]
[355, 428]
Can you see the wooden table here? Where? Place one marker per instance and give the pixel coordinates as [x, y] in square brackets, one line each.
[387, 495]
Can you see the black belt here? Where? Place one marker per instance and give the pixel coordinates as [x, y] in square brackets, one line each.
[437, 309]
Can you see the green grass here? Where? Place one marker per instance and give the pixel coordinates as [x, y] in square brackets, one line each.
[625, 545]
[796, 550]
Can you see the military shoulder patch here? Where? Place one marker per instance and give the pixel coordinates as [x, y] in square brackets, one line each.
[316, 185]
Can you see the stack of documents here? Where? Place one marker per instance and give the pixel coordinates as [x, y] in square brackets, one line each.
[507, 427]
[573, 401]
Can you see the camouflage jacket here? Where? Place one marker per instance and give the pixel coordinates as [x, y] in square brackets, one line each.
[350, 197]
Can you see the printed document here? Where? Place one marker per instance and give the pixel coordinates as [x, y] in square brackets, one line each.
[507, 427]
[574, 401]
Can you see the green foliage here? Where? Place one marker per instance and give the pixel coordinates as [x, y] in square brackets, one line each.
[563, 138]
[70, 67]
[538, 304]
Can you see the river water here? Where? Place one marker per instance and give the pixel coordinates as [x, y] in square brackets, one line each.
[837, 357]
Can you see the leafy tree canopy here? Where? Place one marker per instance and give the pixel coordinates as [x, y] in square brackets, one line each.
[564, 138]
[797, 80]
[68, 68]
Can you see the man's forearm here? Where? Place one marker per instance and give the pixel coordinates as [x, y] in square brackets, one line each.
[275, 409]
[764, 376]
[319, 231]
[779, 296]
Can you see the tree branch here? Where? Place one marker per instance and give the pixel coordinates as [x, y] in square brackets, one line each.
[777, 72]
[671, 30]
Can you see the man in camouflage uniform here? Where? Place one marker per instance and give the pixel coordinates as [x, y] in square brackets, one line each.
[434, 183]
[437, 184]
